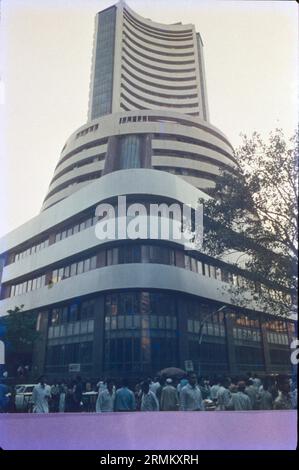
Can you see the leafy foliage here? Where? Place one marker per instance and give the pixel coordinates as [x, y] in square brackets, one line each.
[254, 212]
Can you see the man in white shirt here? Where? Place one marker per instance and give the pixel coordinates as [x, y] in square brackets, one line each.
[40, 397]
[106, 397]
[155, 385]
[239, 400]
[214, 389]
[149, 401]
[223, 395]
[190, 396]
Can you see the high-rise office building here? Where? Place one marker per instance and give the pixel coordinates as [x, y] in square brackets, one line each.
[135, 306]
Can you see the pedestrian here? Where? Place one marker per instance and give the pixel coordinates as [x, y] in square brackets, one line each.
[138, 395]
[155, 385]
[55, 394]
[240, 401]
[149, 401]
[62, 397]
[205, 388]
[191, 396]
[124, 398]
[284, 399]
[253, 393]
[214, 389]
[265, 400]
[256, 381]
[41, 395]
[169, 397]
[182, 383]
[77, 394]
[223, 395]
[106, 398]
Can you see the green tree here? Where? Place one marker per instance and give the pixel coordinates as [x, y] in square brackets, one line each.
[20, 336]
[253, 212]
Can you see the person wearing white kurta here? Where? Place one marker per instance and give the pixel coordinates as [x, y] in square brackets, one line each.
[191, 397]
[149, 400]
[223, 396]
[239, 400]
[106, 398]
[40, 396]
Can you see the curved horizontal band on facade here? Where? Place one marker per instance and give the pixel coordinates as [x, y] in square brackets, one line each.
[177, 31]
[155, 51]
[77, 179]
[78, 164]
[143, 107]
[177, 96]
[158, 43]
[160, 104]
[174, 39]
[175, 88]
[152, 66]
[146, 73]
[91, 144]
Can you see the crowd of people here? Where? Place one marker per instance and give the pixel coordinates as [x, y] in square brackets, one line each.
[161, 394]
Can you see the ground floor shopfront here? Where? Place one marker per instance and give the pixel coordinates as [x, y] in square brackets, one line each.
[136, 333]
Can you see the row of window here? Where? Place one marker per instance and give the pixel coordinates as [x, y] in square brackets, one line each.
[71, 329]
[74, 312]
[132, 354]
[87, 130]
[32, 249]
[73, 182]
[76, 228]
[128, 43]
[278, 338]
[149, 74]
[85, 161]
[124, 120]
[165, 33]
[149, 66]
[247, 334]
[102, 100]
[73, 353]
[214, 353]
[176, 96]
[144, 322]
[157, 44]
[175, 88]
[130, 254]
[211, 329]
[151, 50]
[165, 105]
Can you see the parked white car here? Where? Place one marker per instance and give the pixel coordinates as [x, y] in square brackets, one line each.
[23, 400]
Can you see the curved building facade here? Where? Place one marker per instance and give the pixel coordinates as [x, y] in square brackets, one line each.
[134, 306]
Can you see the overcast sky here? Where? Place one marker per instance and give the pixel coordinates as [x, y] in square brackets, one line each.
[251, 54]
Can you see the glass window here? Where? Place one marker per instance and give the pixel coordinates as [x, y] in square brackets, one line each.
[80, 267]
[66, 272]
[73, 271]
[93, 262]
[87, 265]
[73, 313]
[130, 151]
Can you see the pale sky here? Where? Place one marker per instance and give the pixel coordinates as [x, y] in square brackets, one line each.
[251, 55]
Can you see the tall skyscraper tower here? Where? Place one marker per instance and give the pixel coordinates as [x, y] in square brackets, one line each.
[135, 306]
